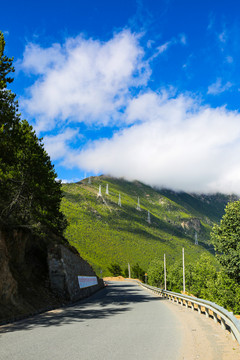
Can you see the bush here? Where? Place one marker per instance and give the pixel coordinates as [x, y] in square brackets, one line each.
[115, 270]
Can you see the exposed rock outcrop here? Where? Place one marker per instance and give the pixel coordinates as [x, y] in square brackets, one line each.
[25, 285]
[192, 224]
[8, 285]
[64, 268]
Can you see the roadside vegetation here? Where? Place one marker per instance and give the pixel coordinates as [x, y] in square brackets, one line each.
[219, 284]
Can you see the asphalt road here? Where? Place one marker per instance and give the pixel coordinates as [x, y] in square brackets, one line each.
[121, 322]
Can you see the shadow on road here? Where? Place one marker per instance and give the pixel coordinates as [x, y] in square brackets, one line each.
[116, 298]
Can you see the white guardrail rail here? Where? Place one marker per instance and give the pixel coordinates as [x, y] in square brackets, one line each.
[211, 310]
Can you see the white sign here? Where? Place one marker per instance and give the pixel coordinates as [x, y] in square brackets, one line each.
[86, 281]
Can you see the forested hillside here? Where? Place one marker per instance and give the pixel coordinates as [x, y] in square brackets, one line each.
[105, 232]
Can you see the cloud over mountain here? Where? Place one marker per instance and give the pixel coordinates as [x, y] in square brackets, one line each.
[178, 144]
[162, 138]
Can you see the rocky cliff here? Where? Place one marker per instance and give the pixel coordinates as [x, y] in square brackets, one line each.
[27, 282]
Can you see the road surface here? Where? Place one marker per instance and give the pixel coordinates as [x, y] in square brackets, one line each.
[121, 322]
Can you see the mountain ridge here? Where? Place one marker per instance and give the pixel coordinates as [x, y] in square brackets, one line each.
[105, 233]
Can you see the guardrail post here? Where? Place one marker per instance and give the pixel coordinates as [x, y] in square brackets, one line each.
[233, 336]
[215, 317]
[226, 319]
[223, 324]
[206, 312]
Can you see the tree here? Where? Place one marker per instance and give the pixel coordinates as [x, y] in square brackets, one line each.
[203, 277]
[175, 277]
[226, 240]
[115, 270]
[30, 195]
[137, 272]
[226, 292]
[156, 273]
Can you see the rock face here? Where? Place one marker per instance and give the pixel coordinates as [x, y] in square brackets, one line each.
[37, 274]
[8, 285]
[64, 268]
[193, 223]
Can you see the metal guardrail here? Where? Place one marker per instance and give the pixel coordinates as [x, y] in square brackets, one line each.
[227, 320]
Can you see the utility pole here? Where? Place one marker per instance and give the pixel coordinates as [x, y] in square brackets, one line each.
[196, 238]
[129, 271]
[183, 271]
[148, 217]
[119, 201]
[138, 205]
[165, 274]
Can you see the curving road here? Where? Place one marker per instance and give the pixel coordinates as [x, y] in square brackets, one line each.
[121, 322]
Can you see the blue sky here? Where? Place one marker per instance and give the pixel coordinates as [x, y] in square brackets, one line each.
[147, 90]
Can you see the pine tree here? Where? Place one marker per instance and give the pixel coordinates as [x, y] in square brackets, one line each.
[30, 196]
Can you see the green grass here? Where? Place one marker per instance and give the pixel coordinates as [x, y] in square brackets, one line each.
[105, 233]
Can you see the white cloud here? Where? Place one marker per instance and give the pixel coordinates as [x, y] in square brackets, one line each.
[223, 36]
[162, 48]
[84, 80]
[150, 43]
[65, 181]
[218, 88]
[37, 60]
[178, 144]
[58, 146]
[229, 59]
[165, 139]
[183, 39]
[165, 46]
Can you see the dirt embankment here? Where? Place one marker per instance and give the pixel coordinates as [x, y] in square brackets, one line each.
[118, 278]
[112, 278]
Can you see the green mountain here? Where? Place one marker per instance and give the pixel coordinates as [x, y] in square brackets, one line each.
[106, 233]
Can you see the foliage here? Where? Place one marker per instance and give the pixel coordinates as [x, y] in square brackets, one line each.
[226, 241]
[115, 270]
[156, 273]
[175, 277]
[137, 272]
[125, 272]
[225, 292]
[202, 279]
[203, 276]
[30, 194]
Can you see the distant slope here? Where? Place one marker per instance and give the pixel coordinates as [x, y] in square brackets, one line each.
[211, 206]
[106, 233]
